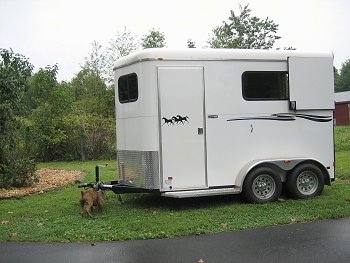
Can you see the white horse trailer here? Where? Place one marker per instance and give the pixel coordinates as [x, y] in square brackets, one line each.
[200, 122]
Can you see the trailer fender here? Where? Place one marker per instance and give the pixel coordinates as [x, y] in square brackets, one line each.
[281, 166]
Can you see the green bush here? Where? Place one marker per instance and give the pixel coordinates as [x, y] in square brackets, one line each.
[18, 173]
[100, 138]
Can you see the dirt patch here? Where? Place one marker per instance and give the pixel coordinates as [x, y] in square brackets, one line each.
[49, 179]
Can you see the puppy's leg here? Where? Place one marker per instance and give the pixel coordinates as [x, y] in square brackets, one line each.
[100, 200]
[82, 203]
[100, 204]
[89, 208]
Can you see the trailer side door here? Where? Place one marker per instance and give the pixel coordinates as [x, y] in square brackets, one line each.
[311, 83]
[182, 133]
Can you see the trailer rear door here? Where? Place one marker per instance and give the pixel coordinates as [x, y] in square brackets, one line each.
[182, 138]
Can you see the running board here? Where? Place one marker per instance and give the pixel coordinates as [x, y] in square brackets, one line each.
[205, 192]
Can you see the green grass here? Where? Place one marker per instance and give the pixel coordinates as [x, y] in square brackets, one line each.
[55, 216]
[342, 138]
[342, 165]
[342, 148]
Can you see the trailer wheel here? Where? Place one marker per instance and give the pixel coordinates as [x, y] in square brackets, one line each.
[262, 185]
[306, 180]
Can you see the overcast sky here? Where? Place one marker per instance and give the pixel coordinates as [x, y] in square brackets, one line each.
[61, 31]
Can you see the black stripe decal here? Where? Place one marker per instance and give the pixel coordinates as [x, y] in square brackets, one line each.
[286, 117]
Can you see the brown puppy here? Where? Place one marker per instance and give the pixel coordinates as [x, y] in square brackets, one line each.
[91, 198]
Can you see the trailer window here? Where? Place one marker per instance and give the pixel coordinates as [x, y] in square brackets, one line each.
[128, 88]
[265, 85]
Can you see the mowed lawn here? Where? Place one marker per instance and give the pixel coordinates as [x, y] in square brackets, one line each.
[56, 215]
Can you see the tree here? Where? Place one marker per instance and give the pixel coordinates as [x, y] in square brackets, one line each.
[48, 126]
[40, 86]
[69, 121]
[191, 44]
[97, 61]
[92, 95]
[15, 69]
[154, 39]
[123, 44]
[15, 168]
[336, 77]
[343, 80]
[94, 116]
[245, 31]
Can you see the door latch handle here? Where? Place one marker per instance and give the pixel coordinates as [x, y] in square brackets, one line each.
[200, 131]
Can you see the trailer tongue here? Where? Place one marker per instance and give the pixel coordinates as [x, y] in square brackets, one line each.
[117, 186]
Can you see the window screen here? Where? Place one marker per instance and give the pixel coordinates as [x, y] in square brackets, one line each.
[265, 85]
[128, 88]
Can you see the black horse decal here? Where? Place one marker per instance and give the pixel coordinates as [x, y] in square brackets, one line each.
[167, 121]
[182, 119]
[175, 120]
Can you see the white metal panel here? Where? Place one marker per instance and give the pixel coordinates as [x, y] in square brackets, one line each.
[233, 141]
[146, 104]
[137, 121]
[223, 81]
[254, 137]
[137, 134]
[181, 94]
[311, 82]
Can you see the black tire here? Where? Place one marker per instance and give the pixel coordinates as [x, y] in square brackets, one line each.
[305, 181]
[262, 185]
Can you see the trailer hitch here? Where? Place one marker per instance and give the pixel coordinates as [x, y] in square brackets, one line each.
[99, 185]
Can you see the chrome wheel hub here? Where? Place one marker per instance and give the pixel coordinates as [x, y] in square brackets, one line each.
[264, 186]
[307, 182]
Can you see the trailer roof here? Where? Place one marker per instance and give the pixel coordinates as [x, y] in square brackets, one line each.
[213, 54]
